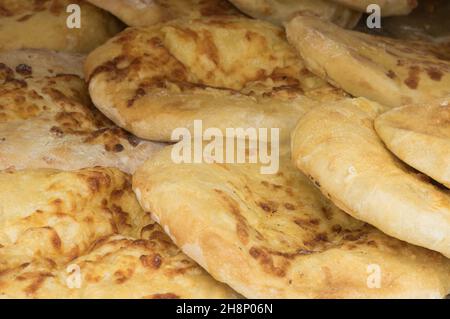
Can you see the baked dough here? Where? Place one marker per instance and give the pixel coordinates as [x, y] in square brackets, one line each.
[43, 25]
[389, 71]
[145, 12]
[59, 230]
[388, 7]
[117, 267]
[227, 72]
[279, 11]
[420, 136]
[338, 147]
[58, 215]
[276, 236]
[48, 121]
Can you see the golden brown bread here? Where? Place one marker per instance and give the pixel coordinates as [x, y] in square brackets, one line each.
[420, 136]
[82, 234]
[42, 25]
[231, 72]
[339, 148]
[279, 11]
[117, 267]
[58, 215]
[389, 71]
[47, 119]
[145, 13]
[276, 236]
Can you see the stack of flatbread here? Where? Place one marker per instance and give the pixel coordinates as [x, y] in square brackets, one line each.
[94, 119]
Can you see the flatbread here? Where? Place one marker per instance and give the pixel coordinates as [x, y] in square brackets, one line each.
[279, 11]
[389, 71]
[83, 235]
[388, 7]
[117, 268]
[227, 73]
[47, 119]
[420, 136]
[276, 236]
[338, 147]
[43, 25]
[145, 12]
[58, 215]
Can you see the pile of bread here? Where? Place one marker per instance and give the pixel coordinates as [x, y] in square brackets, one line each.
[92, 204]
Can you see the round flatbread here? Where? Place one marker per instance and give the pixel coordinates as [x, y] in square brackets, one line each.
[389, 71]
[339, 148]
[67, 235]
[280, 11]
[228, 73]
[420, 136]
[47, 24]
[145, 13]
[388, 7]
[48, 121]
[276, 236]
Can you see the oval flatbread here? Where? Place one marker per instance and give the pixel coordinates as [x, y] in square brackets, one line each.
[276, 236]
[339, 148]
[47, 119]
[228, 73]
[145, 13]
[82, 234]
[389, 71]
[52, 24]
[280, 11]
[388, 7]
[420, 136]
